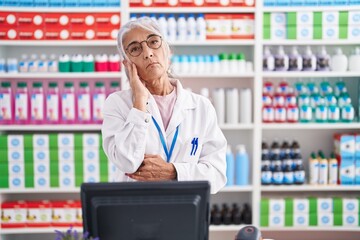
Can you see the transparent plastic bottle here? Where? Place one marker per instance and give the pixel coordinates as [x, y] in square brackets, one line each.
[53, 104]
[98, 99]
[83, 103]
[22, 104]
[6, 103]
[37, 103]
[68, 103]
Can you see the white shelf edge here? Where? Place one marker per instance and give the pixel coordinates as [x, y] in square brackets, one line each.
[178, 9]
[310, 8]
[310, 126]
[236, 189]
[51, 229]
[301, 229]
[96, 9]
[222, 228]
[69, 43]
[318, 188]
[236, 126]
[310, 42]
[215, 42]
[309, 74]
[39, 191]
[53, 127]
[62, 75]
[206, 75]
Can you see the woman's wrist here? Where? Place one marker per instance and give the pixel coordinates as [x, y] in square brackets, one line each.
[140, 104]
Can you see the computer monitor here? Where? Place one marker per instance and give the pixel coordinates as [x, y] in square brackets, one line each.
[146, 210]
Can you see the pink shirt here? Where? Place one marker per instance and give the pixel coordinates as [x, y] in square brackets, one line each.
[166, 106]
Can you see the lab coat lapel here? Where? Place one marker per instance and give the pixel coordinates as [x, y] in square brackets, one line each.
[154, 111]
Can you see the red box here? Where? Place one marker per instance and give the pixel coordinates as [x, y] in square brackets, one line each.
[242, 3]
[82, 19]
[106, 33]
[39, 214]
[79, 219]
[59, 20]
[242, 26]
[30, 33]
[8, 19]
[8, 33]
[56, 33]
[186, 3]
[30, 19]
[82, 33]
[140, 3]
[63, 213]
[13, 214]
[107, 19]
[218, 26]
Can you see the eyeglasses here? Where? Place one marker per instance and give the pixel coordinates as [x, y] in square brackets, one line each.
[153, 42]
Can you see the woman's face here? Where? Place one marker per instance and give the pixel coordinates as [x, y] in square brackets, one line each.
[152, 63]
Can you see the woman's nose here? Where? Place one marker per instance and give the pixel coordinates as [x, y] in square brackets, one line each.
[147, 52]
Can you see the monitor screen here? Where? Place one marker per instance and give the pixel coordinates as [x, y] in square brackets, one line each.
[146, 210]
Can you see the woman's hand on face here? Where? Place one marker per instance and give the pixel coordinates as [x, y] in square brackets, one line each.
[141, 93]
[154, 168]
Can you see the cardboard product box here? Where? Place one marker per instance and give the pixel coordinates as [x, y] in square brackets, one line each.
[218, 26]
[243, 26]
[283, 2]
[304, 18]
[8, 33]
[30, 19]
[242, 3]
[346, 205]
[163, 3]
[354, 17]
[330, 18]
[42, 168]
[107, 19]
[91, 140]
[42, 181]
[346, 171]
[301, 219]
[30, 33]
[16, 155]
[55, 3]
[106, 33]
[277, 220]
[278, 32]
[278, 19]
[16, 181]
[140, 3]
[304, 32]
[56, 20]
[13, 214]
[82, 19]
[82, 32]
[344, 146]
[79, 219]
[357, 159]
[8, 19]
[354, 32]
[66, 181]
[66, 154]
[99, 3]
[324, 205]
[84, 3]
[16, 169]
[301, 205]
[41, 141]
[38, 214]
[325, 219]
[63, 213]
[70, 3]
[14, 141]
[65, 140]
[276, 206]
[55, 33]
[41, 155]
[90, 155]
[330, 32]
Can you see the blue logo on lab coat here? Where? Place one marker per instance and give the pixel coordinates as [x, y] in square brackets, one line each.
[195, 143]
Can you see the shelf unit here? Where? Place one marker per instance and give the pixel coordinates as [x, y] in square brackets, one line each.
[252, 134]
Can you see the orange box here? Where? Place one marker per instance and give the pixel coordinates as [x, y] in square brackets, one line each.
[218, 26]
[30, 33]
[82, 19]
[63, 213]
[56, 33]
[56, 19]
[30, 19]
[38, 214]
[242, 26]
[8, 19]
[13, 214]
[8, 33]
[106, 33]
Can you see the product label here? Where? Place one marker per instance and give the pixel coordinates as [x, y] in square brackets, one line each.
[15, 215]
[37, 106]
[52, 107]
[68, 107]
[39, 215]
[21, 106]
[5, 106]
[266, 177]
[98, 103]
[63, 215]
[84, 107]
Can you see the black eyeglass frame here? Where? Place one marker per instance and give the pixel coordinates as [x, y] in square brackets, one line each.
[140, 44]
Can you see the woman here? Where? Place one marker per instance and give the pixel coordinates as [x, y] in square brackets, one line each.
[157, 131]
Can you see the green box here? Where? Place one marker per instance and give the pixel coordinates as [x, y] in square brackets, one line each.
[343, 18]
[317, 34]
[291, 32]
[317, 19]
[313, 219]
[264, 206]
[338, 219]
[312, 205]
[343, 32]
[4, 157]
[266, 19]
[337, 206]
[289, 220]
[3, 141]
[28, 142]
[291, 19]
[264, 220]
[4, 182]
[267, 33]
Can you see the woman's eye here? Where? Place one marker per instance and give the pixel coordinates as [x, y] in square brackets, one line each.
[134, 49]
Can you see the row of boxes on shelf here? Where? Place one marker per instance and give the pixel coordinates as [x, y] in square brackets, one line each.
[43, 161]
[58, 26]
[307, 103]
[63, 63]
[312, 25]
[61, 3]
[311, 211]
[53, 102]
[347, 152]
[21, 214]
[310, 2]
[191, 3]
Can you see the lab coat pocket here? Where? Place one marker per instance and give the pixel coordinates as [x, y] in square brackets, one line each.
[193, 148]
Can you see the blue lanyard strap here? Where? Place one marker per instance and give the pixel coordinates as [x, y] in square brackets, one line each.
[168, 153]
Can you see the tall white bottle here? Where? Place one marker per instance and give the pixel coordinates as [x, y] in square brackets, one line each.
[354, 61]
[242, 169]
[245, 108]
[171, 28]
[163, 25]
[219, 104]
[181, 28]
[232, 106]
[200, 28]
[191, 27]
[339, 62]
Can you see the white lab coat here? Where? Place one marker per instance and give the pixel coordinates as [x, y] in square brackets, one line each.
[129, 133]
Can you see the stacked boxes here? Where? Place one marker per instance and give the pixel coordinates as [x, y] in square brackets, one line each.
[304, 212]
[62, 160]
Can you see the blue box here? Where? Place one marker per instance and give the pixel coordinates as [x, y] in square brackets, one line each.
[269, 3]
[99, 3]
[56, 3]
[114, 3]
[11, 3]
[354, 2]
[26, 3]
[326, 2]
[85, 3]
[310, 2]
[340, 2]
[70, 3]
[41, 3]
[283, 3]
[297, 2]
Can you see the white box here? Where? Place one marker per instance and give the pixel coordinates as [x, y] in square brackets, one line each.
[66, 181]
[41, 141]
[65, 140]
[66, 154]
[304, 18]
[354, 18]
[66, 168]
[353, 32]
[325, 219]
[41, 168]
[278, 33]
[91, 155]
[91, 178]
[277, 19]
[42, 181]
[41, 155]
[301, 205]
[330, 18]
[330, 32]
[350, 205]
[304, 32]
[324, 205]
[91, 170]
[16, 169]
[16, 181]
[15, 155]
[350, 219]
[301, 219]
[16, 141]
[276, 206]
[277, 220]
[91, 140]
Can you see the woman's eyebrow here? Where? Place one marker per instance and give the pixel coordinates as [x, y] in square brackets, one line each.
[150, 35]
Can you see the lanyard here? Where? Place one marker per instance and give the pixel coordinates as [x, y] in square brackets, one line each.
[168, 153]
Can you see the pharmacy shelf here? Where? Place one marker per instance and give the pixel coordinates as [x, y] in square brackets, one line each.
[49, 127]
[298, 74]
[192, 10]
[311, 8]
[67, 43]
[311, 188]
[309, 126]
[216, 42]
[40, 191]
[217, 75]
[225, 228]
[315, 229]
[115, 75]
[97, 9]
[237, 189]
[276, 42]
[36, 230]
[236, 126]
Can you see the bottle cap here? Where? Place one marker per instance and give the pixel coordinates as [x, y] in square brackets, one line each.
[76, 58]
[5, 84]
[338, 51]
[84, 84]
[241, 148]
[240, 56]
[99, 84]
[37, 84]
[294, 51]
[281, 50]
[223, 56]
[308, 51]
[69, 84]
[88, 58]
[115, 84]
[53, 85]
[21, 84]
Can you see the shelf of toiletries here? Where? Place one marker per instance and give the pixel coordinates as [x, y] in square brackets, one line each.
[285, 42]
[311, 188]
[48, 43]
[311, 229]
[194, 10]
[309, 126]
[106, 75]
[312, 8]
[49, 9]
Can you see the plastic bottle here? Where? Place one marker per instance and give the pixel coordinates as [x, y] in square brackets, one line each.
[245, 109]
[215, 64]
[43, 65]
[224, 63]
[242, 166]
[321, 112]
[230, 167]
[114, 87]
[114, 63]
[233, 64]
[232, 106]
[281, 60]
[200, 28]
[171, 28]
[295, 60]
[265, 149]
[12, 65]
[309, 60]
[323, 169]
[323, 60]
[266, 174]
[22, 104]
[246, 214]
[241, 63]
[184, 64]
[2, 65]
[83, 103]
[64, 63]
[333, 113]
[314, 167]
[191, 27]
[333, 170]
[285, 148]
[288, 172]
[339, 62]
[88, 63]
[268, 60]
[305, 113]
[6, 104]
[53, 64]
[37, 103]
[163, 25]
[347, 113]
[68, 103]
[354, 61]
[299, 172]
[181, 28]
[76, 63]
[98, 100]
[295, 149]
[275, 148]
[278, 175]
[219, 104]
[23, 63]
[52, 104]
